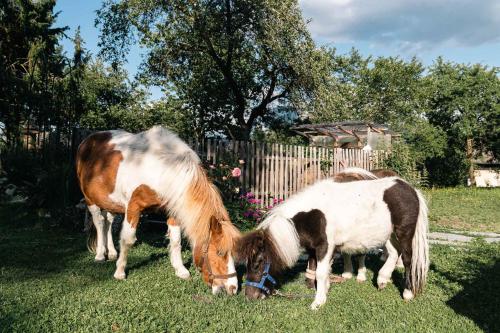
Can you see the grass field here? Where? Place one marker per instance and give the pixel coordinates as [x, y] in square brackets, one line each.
[465, 209]
[49, 283]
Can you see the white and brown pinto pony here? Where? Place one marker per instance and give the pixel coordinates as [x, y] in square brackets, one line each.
[126, 173]
[351, 217]
[350, 174]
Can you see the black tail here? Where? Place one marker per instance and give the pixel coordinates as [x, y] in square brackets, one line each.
[91, 233]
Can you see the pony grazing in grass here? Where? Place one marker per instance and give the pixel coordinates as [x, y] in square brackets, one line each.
[126, 173]
[351, 217]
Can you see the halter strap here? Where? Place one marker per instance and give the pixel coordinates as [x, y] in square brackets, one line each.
[211, 275]
[265, 277]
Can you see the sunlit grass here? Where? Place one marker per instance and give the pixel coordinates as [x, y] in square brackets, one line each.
[466, 209]
[49, 283]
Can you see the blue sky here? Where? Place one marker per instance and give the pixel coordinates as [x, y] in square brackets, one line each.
[466, 31]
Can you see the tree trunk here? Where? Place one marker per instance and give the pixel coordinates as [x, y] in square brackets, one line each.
[470, 155]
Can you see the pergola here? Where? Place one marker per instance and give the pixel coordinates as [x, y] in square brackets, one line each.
[348, 134]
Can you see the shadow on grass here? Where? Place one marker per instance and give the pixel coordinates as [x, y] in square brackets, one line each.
[479, 298]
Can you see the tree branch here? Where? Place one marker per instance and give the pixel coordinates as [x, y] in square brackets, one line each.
[228, 76]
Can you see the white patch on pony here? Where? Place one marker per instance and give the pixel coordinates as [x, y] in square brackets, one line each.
[127, 234]
[112, 254]
[216, 289]
[361, 276]
[407, 294]
[174, 232]
[284, 236]
[231, 284]
[347, 274]
[159, 159]
[99, 223]
[385, 273]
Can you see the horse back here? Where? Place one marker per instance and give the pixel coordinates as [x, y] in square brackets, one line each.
[97, 163]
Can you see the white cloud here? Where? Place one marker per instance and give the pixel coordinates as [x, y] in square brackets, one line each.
[410, 25]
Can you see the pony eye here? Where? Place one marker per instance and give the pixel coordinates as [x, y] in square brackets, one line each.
[220, 253]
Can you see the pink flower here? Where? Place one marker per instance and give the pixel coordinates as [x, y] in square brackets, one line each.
[236, 172]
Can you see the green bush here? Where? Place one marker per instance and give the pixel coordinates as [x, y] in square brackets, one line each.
[402, 160]
[46, 182]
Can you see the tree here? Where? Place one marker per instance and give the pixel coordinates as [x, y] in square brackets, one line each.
[464, 101]
[30, 63]
[229, 61]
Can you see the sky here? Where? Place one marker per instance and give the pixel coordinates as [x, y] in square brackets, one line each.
[465, 31]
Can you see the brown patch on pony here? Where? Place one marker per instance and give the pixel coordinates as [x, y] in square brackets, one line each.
[96, 166]
[171, 221]
[143, 197]
[258, 247]
[217, 251]
[343, 177]
[383, 173]
[404, 206]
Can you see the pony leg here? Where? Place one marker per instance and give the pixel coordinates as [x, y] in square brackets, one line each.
[99, 223]
[361, 277]
[323, 278]
[174, 233]
[112, 254]
[385, 273]
[311, 269]
[127, 240]
[347, 274]
[399, 263]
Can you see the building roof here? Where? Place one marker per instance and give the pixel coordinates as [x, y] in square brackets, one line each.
[342, 129]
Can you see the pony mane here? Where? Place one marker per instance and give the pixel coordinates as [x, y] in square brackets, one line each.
[283, 236]
[249, 244]
[359, 171]
[203, 205]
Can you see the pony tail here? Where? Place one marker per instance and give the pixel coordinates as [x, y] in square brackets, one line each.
[420, 249]
[91, 233]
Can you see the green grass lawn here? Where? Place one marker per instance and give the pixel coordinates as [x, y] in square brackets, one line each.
[49, 283]
[465, 209]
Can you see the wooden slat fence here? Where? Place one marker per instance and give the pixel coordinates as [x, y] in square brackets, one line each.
[275, 171]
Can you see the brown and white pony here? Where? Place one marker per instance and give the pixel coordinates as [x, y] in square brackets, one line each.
[351, 217]
[349, 175]
[126, 173]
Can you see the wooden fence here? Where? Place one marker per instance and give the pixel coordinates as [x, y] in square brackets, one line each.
[275, 171]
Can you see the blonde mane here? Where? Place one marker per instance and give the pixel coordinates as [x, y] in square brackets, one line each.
[204, 204]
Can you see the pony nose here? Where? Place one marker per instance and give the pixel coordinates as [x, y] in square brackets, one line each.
[231, 290]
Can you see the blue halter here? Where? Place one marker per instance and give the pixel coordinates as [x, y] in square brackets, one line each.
[265, 276]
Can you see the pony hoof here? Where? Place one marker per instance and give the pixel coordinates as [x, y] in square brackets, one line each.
[407, 295]
[316, 305]
[183, 274]
[347, 275]
[382, 285]
[100, 260]
[112, 257]
[360, 279]
[120, 276]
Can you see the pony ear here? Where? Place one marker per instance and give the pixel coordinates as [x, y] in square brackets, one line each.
[248, 245]
[215, 226]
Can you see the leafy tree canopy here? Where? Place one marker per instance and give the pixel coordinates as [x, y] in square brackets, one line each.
[228, 60]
